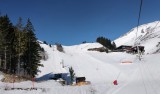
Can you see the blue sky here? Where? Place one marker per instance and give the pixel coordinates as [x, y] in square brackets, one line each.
[71, 22]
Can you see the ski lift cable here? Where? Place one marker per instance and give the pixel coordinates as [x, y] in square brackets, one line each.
[136, 38]
[147, 70]
[145, 66]
[150, 75]
[139, 16]
[118, 75]
[137, 46]
[155, 26]
[142, 78]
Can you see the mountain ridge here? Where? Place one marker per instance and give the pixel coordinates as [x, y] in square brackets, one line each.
[148, 35]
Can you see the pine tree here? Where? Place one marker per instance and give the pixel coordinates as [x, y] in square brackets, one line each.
[72, 74]
[1, 49]
[18, 47]
[7, 37]
[32, 58]
[114, 45]
[45, 42]
[18, 44]
[105, 42]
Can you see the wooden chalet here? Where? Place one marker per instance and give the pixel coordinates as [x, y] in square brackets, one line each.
[101, 49]
[135, 49]
[123, 48]
[80, 79]
[130, 49]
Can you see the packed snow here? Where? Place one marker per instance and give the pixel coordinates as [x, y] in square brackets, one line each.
[99, 68]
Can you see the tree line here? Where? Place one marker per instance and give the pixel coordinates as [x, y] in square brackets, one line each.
[19, 48]
[106, 43]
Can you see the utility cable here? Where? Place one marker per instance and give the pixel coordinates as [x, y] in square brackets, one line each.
[150, 75]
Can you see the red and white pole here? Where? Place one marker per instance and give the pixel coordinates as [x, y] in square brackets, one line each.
[33, 80]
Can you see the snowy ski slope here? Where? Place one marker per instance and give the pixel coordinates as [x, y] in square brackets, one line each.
[101, 69]
[148, 35]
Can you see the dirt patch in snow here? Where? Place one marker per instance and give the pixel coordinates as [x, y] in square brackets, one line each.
[13, 78]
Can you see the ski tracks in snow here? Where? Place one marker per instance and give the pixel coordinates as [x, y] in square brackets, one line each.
[148, 78]
[141, 82]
